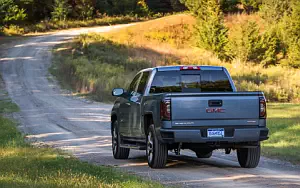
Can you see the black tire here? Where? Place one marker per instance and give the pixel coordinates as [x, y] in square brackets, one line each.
[157, 153]
[203, 154]
[248, 157]
[118, 151]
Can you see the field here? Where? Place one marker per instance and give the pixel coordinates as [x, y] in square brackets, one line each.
[284, 125]
[23, 165]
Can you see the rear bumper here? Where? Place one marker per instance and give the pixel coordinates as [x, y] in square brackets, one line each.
[198, 136]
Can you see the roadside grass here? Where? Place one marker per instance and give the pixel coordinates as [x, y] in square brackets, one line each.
[284, 124]
[22, 165]
[6, 106]
[92, 65]
[51, 25]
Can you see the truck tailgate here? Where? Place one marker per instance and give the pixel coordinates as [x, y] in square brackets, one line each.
[215, 106]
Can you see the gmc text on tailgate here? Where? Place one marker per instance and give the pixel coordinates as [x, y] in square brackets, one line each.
[187, 107]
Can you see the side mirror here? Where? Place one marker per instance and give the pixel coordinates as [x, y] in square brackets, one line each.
[118, 92]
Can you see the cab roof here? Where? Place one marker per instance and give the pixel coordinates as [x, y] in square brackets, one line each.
[178, 68]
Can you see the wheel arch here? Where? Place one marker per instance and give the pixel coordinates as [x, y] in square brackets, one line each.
[114, 118]
[148, 120]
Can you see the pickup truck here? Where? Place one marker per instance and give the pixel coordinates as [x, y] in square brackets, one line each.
[187, 107]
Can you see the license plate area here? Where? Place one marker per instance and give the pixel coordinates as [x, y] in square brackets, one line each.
[215, 133]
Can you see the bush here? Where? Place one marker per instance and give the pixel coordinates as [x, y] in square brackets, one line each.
[13, 30]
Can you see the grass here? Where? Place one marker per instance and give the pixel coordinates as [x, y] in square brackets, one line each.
[22, 165]
[93, 65]
[51, 25]
[6, 106]
[284, 125]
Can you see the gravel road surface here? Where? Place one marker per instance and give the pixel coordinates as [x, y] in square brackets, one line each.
[50, 115]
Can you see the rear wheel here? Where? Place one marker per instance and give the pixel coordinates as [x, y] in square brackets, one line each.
[248, 157]
[118, 151]
[157, 153]
[204, 154]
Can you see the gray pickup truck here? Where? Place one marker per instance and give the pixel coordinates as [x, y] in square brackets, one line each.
[187, 107]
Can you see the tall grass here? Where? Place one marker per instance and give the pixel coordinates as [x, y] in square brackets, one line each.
[95, 65]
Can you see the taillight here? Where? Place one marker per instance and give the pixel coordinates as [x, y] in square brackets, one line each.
[165, 109]
[262, 107]
[190, 68]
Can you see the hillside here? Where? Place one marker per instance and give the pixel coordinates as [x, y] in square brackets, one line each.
[169, 41]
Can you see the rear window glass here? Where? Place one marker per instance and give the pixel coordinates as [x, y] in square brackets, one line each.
[191, 81]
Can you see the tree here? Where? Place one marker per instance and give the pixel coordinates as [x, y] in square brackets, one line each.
[159, 5]
[273, 10]
[10, 12]
[85, 9]
[290, 33]
[177, 5]
[251, 5]
[211, 33]
[61, 10]
[246, 43]
[196, 7]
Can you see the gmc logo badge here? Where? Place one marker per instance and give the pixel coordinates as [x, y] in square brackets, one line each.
[215, 110]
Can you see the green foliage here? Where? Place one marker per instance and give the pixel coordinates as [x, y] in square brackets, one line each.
[196, 7]
[61, 10]
[160, 5]
[273, 10]
[36, 9]
[177, 5]
[247, 44]
[10, 12]
[211, 33]
[85, 9]
[251, 5]
[229, 5]
[290, 33]
[142, 8]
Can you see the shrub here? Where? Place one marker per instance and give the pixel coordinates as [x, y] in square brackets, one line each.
[13, 30]
[61, 10]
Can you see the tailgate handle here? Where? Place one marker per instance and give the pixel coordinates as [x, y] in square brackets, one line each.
[215, 103]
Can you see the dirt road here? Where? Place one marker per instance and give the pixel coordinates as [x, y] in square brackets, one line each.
[83, 128]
